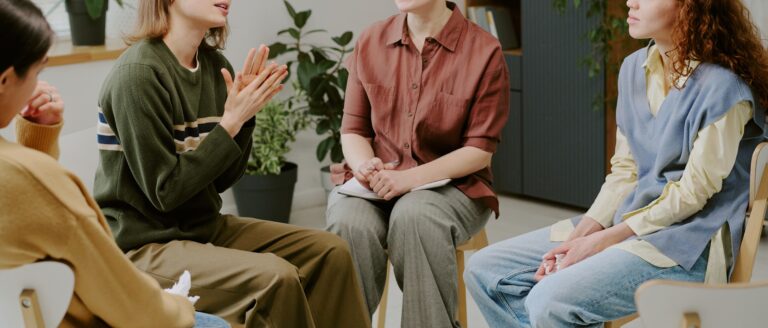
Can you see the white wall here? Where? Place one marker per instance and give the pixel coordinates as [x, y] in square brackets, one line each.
[252, 23]
[759, 10]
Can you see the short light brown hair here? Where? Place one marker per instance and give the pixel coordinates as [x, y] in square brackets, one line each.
[154, 21]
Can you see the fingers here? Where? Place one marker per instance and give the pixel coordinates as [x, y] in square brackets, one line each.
[540, 273]
[40, 100]
[261, 59]
[391, 165]
[377, 164]
[562, 249]
[248, 65]
[259, 80]
[268, 89]
[227, 79]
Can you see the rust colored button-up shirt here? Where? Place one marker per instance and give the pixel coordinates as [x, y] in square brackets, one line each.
[417, 107]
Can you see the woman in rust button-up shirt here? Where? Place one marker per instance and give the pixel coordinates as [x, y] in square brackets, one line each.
[426, 100]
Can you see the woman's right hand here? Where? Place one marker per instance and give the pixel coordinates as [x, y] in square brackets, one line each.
[365, 170]
[247, 99]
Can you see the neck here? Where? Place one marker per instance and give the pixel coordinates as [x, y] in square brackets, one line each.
[183, 39]
[428, 21]
[664, 47]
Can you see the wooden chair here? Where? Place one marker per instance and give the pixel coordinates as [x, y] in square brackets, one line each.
[35, 295]
[668, 304]
[477, 242]
[745, 261]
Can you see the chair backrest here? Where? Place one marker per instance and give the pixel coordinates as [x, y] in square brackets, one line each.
[753, 227]
[52, 282]
[668, 304]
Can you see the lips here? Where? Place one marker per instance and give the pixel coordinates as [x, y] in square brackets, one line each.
[223, 6]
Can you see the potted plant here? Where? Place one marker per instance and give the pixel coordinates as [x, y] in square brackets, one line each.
[320, 82]
[266, 189]
[87, 20]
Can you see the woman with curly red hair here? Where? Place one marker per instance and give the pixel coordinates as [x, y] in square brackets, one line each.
[689, 115]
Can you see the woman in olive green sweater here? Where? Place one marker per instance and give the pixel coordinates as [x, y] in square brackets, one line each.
[46, 212]
[175, 132]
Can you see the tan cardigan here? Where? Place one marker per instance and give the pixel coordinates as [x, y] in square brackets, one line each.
[47, 214]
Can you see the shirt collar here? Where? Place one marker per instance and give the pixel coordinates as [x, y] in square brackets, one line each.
[448, 36]
[653, 62]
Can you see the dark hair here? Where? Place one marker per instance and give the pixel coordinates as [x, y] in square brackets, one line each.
[25, 34]
[721, 32]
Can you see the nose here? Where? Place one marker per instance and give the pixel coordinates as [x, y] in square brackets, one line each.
[632, 4]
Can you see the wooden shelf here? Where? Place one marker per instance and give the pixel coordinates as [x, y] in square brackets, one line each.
[64, 53]
[514, 52]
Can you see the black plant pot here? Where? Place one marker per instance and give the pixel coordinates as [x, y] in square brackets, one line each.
[267, 197]
[86, 31]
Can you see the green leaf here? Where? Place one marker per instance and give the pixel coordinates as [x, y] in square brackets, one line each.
[324, 147]
[337, 154]
[277, 49]
[323, 127]
[306, 71]
[344, 39]
[314, 31]
[576, 3]
[301, 18]
[95, 8]
[292, 31]
[291, 11]
[342, 76]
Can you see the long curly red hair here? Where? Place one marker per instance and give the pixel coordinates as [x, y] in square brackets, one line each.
[721, 32]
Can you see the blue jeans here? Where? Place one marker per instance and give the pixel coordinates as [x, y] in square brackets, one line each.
[598, 289]
[204, 320]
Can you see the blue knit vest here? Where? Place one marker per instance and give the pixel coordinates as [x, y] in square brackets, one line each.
[661, 147]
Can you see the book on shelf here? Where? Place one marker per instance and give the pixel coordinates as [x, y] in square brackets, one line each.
[497, 21]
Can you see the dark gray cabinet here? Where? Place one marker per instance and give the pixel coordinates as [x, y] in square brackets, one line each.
[553, 146]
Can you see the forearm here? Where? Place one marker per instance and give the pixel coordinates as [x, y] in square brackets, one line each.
[457, 164]
[357, 150]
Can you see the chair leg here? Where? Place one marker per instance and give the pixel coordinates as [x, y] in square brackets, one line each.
[382, 316]
[462, 313]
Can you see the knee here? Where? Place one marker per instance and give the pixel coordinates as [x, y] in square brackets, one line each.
[478, 271]
[410, 216]
[279, 275]
[550, 303]
[342, 222]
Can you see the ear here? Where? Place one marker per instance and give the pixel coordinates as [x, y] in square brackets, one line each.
[6, 77]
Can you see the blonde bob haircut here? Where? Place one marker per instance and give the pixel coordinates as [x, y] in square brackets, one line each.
[153, 22]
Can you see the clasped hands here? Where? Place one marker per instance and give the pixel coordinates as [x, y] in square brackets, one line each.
[383, 179]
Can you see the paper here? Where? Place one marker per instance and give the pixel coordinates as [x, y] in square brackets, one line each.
[182, 287]
[355, 189]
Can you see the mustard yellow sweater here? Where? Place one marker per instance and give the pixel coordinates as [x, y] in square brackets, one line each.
[47, 214]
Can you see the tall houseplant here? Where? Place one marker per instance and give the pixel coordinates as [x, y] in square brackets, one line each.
[266, 189]
[87, 20]
[319, 80]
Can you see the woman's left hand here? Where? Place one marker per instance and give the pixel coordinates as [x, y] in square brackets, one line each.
[45, 106]
[389, 184]
[581, 248]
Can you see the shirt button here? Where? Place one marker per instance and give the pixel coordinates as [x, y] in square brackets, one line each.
[410, 114]
[424, 61]
[407, 145]
[414, 86]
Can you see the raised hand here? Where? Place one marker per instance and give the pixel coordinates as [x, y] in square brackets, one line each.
[45, 106]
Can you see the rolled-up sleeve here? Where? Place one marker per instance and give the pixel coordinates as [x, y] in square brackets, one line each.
[490, 108]
[357, 107]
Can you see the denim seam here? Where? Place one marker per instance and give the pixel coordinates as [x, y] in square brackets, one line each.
[505, 277]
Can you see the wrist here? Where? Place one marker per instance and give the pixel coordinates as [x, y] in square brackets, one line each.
[231, 126]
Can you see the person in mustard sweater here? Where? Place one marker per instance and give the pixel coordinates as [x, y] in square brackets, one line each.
[47, 214]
